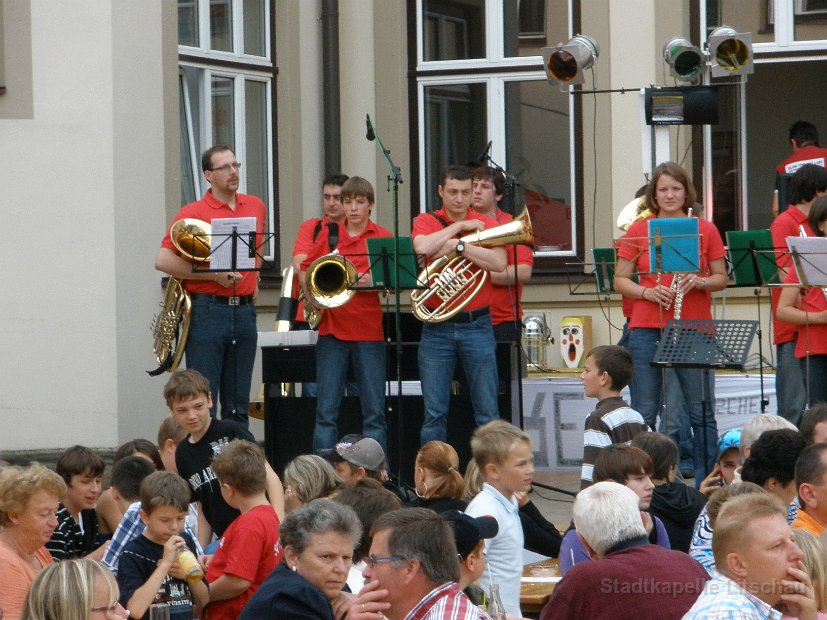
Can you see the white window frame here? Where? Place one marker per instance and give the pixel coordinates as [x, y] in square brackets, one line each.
[236, 55]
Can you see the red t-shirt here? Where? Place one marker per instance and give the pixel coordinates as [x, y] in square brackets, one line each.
[426, 224]
[208, 209]
[815, 300]
[360, 319]
[250, 550]
[503, 300]
[808, 155]
[304, 241]
[634, 246]
[787, 224]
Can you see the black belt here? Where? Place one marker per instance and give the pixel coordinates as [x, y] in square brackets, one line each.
[237, 300]
[468, 317]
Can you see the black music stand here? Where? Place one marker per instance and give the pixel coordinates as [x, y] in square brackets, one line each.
[705, 345]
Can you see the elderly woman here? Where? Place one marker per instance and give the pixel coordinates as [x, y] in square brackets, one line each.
[28, 503]
[308, 477]
[79, 589]
[318, 540]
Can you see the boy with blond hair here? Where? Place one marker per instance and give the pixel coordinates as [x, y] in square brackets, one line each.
[149, 572]
[506, 461]
[249, 549]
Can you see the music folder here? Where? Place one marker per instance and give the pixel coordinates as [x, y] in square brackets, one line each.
[752, 257]
[383, 266]
[677, 242]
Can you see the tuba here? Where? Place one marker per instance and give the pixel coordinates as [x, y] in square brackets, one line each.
[634, 211]
[327, 281]
[171, 325]
[454, 281]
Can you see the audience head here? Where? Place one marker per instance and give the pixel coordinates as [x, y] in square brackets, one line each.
[720, 496]
[662, 451]
[470, 534]
[807, 183]
[412, 552]
[473, 481]
[161, 490]
[608, 367]
[814, 422]
[628, 466]
[308, 477]
[28, 503]
[127, 476]
[170, 434]
[185, 385]
[140, 447]
[817, 217]
[815, 563]
[369, 500]
[504, 455]
[357, 186]
[811, 482]
[758, 424]
[729, 454]
[241, 469]
[605, 515]
[81, 469]
[753, 545]
[318, 540]
[78, 589]
[675, 171]
[436, 472]
[355, 456]
[803, 133]
[771, 463]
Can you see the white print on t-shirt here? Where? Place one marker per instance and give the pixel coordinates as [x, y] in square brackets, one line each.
[200, 478]
[792, 167]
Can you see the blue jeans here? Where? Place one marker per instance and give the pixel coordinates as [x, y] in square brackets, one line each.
[439, 347]
[790, 392]
[818, 378]
[222, 346]
[333, 356]
[643, 344]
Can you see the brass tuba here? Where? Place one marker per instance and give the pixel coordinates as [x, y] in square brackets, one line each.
[454, 281]
[171, 325]
[328, 280]
[634, 211]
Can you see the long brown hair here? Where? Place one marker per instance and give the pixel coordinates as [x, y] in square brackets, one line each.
[679, 174]
[441, 460]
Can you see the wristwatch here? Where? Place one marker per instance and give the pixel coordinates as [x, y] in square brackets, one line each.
[460, 246]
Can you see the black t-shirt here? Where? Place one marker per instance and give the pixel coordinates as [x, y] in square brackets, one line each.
[139, 559]
[194, 465]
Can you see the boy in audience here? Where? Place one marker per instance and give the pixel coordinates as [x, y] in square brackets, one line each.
[187, 394]
[77, 522]
[169, 436]
[470, 535]
[356, 457]
[607, 371]
[506, 461]
[149, 571]
[249, 549]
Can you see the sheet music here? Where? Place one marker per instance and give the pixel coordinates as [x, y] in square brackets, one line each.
[221, 243]
[810, 259]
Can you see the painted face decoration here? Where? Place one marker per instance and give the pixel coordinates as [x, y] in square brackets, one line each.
[571, 341]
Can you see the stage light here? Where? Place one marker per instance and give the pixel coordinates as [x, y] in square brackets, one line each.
[686, 61]
[565, 63]
[730, 52]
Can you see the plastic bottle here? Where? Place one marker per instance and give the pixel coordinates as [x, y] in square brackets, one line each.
[494, 606]
[188, 562]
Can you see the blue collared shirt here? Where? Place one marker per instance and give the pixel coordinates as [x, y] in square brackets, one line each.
[723, 599]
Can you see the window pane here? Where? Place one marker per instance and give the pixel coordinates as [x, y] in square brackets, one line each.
[188, 152]
[223, 111]
[256, 161]
[453, 30]
[221, 25]
[254, 27]
[726, 155]
[188, 22]
[810, 20]
[455, 131]
[530, 25]
[537, 142]
[753, 16]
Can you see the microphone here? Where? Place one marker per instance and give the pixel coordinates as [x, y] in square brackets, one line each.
[369, 133]
[484, 157]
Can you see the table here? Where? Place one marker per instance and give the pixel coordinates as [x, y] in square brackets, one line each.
[535, 590]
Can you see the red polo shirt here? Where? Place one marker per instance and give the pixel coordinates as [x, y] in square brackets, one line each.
[787, 224]
[808, 155]
[505, 305]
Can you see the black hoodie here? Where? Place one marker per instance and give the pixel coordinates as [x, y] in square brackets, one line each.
[678, 506]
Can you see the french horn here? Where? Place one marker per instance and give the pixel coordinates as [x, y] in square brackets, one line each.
[170, 327]
[454, 281]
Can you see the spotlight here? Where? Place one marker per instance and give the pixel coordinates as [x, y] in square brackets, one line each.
[730, 52]
[685, 60]
[565, 63]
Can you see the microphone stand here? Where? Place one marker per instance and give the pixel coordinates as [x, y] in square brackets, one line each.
[509, 206]
[394, 177]
[548, 487]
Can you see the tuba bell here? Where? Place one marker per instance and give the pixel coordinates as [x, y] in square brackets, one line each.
[634, 211]
[328, 280]
[170, 326]
[453, 281]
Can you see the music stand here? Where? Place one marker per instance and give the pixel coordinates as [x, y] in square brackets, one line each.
[705, 345]
[383, 267]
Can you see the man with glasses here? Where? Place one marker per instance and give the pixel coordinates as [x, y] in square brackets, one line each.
[412, 570]
[222, 334]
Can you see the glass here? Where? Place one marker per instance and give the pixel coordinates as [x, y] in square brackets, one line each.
[456, 126]
[254, 28]
[189, 187]
[727, 200]
[373, 560]
[453, 31]
[537, 129]
[755, 16]
[227, 167]
[257, 156]
[221, 25]
[223, 111]
[529, 25]
[188, 22]
[810, 20]
[159, 611]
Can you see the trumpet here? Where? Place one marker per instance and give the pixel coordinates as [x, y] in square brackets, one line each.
[454, 281]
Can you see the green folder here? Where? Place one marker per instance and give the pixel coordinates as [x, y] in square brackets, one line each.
[752, 257]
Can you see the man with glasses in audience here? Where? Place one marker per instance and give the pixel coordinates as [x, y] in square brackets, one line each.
[222, 334]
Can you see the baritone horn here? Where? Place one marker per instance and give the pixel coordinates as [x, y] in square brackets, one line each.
[453, 281]
[634, 211]
[170, 326]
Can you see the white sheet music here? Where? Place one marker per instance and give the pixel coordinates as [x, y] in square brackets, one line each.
[810, 259]
[222, 243]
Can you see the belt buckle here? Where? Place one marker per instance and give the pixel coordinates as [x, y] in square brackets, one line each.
[233, 301]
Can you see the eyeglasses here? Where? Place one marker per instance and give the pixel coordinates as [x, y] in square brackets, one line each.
[109, 609]
[226, 167]
[373, 560]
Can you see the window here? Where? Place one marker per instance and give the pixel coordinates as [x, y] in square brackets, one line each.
[479, 77]
[226, 94]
